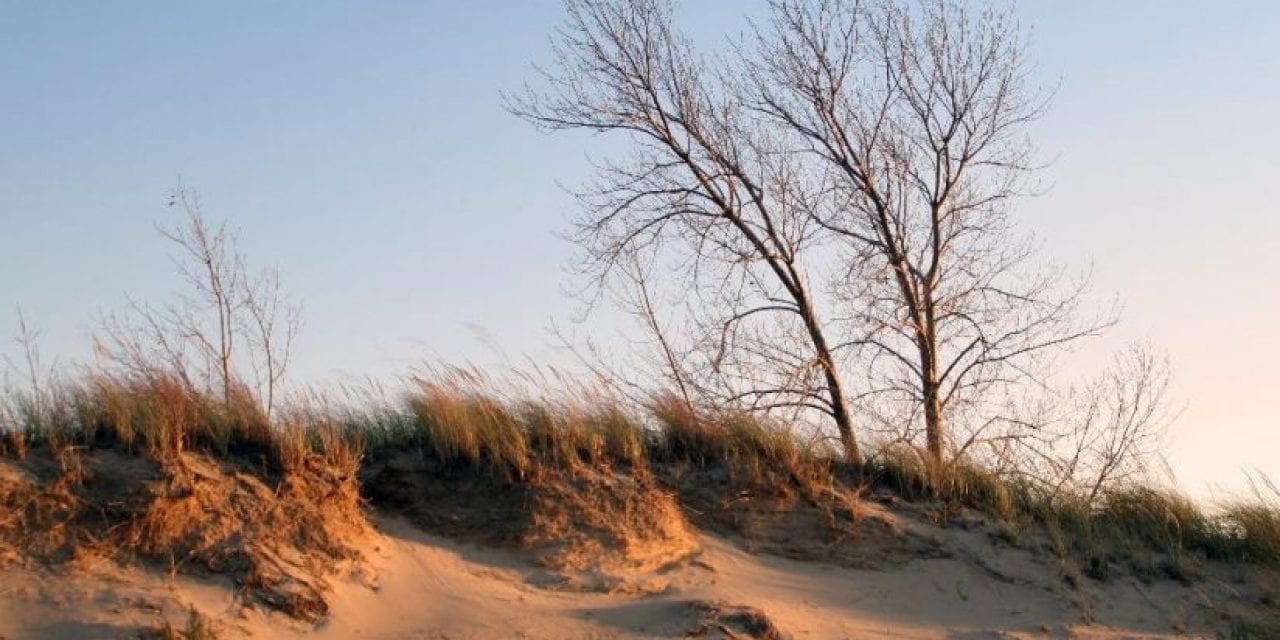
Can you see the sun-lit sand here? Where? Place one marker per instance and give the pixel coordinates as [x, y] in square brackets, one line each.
[421, 586]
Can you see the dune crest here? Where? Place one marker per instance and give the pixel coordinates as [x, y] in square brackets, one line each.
[589, 553]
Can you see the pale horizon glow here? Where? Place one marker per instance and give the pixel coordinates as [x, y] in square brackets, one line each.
[363, 149]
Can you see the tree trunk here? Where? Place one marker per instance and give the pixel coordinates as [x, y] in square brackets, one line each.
[930, 394]
[835, 389]
[835, 392]
[844, 421]
[933, 425]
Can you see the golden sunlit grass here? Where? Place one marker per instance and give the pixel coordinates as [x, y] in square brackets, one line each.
[600, 459]
[142, 467]
[741, 442]
[904, 471]
[460, 423]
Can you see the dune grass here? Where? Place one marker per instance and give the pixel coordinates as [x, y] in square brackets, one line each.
[1251, 529]
[143, 467]
[464, 423]
[158, 416]
[746, 446]
[1127, 523]
[461, 424]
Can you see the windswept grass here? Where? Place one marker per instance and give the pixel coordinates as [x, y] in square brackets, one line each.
[460, 424]
[159, 416]
[1252, 526]
[1154, 530]
[744, 444]
[904, 471]
[144, 467]
[466, 424]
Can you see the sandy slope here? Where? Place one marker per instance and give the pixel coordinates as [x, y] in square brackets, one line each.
[421, 586]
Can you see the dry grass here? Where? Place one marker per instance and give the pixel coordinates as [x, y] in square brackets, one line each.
[141, 466]
[752, 478]
[459, 424]
[190, 512]
[903, 471]
[1253, 525]
[1154, 532]
[218, 486]
[565, 477]
[154, 414]
[751, 449]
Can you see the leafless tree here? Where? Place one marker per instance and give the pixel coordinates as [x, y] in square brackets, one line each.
[653, 360]
[706, 191]
[214, 271]
[270, 326]
[225, 316]
[1101, 434]
[917, 114]
[885, 137]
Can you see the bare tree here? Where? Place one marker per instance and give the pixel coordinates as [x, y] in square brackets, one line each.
[226, 316]
[917, 117]
[654, 360]
[706, 191]
[1100, 434]
[214, 271]
[873, 148]
[270, 326]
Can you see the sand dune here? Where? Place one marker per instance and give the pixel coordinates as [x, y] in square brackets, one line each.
[416, 585]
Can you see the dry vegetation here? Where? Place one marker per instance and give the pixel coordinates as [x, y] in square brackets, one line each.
[179, 447]
[138, 469]
[168, 459]
[142, 469]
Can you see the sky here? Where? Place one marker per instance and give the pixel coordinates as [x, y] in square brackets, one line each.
[362, 148]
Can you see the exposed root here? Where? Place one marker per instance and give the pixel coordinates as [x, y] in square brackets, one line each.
[728, 622]
[593, 528]
[197, 627]
[190, 513]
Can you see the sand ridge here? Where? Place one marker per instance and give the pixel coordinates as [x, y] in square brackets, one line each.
[417, 585]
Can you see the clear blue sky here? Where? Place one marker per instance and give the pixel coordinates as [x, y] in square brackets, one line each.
[362, 148]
